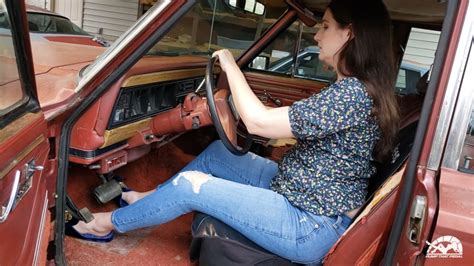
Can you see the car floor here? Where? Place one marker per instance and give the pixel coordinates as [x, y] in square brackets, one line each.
[167, 244]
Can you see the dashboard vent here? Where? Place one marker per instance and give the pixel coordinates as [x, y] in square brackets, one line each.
[187, 86]
[143, 101]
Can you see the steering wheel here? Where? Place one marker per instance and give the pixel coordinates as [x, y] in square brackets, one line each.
[223, 114]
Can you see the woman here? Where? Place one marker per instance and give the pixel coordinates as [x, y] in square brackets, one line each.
[299, 207]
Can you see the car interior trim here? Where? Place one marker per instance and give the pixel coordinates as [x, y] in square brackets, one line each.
[453, 92]
[461, 116]
[40, 234]
[22, 155]
[112, 136]
[95, 153]
[412, 166]
[162, 77]
[13, 128]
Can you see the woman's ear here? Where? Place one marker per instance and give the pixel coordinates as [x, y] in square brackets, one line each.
[350, 32]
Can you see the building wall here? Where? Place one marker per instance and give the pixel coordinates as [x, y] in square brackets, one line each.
[71, 9]
[109, 18]
[421, 46]
[40, 3]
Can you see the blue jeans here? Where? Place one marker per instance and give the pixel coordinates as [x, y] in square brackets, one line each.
[236, 191]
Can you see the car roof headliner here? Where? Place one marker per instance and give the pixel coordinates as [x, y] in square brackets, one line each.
[431, 11]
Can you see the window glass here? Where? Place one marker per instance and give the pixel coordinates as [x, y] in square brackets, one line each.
[231, 28]
[279, 55]
[417, 59]
[11, 90]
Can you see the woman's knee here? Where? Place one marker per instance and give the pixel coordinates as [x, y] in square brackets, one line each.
[191, 181]
[216, 147]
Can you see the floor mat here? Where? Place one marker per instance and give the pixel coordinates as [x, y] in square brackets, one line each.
[167, 244]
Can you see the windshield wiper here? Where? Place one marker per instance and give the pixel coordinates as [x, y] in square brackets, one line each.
[164, 53]
[208, 52]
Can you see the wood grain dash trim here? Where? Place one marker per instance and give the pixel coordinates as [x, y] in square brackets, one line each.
[118, 134]
[163, 76]
[20, 156]
[13, 128]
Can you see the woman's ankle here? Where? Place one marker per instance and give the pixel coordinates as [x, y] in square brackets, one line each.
[132, 196]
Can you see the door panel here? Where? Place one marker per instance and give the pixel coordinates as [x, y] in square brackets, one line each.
[23, 142]
[288, 90]
[24, 146]
[455, 221]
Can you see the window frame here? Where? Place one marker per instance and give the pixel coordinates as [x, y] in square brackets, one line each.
[23, 56]
[295, 56]
[461, 115]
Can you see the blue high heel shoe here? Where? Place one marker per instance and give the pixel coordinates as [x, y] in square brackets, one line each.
[70, 231]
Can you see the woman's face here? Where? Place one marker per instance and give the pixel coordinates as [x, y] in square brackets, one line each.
[330, 38]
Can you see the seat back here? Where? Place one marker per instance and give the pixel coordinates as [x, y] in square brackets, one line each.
[400, 153]
[371, 227]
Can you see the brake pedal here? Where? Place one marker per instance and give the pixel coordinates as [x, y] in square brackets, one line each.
[108, 191]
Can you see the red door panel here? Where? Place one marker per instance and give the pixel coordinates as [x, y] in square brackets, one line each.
[454, 229]
[23, 147]
[287, 90]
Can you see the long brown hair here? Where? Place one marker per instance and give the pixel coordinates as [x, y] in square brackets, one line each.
[368, 55]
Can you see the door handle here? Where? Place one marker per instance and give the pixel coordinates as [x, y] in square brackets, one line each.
[5, 211]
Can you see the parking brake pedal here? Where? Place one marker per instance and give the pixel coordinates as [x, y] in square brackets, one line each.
[108, 191]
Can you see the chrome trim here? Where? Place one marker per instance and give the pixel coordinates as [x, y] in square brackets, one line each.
[452, 90]
[461, 117]
[5, 211]
[41, 230]
[119, 45]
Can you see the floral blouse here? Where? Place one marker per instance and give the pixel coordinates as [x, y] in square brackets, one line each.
[328, 169]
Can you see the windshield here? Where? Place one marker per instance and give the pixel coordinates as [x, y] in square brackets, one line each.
[212, 25]
[44, 23]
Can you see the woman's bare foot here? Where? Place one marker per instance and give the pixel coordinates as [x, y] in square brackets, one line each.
[131, 196]
[100, 226]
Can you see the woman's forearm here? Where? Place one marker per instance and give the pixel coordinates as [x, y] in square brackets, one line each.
[250, 109]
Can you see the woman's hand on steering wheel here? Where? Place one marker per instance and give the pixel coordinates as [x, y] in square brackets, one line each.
[226, 59]
[222, 106]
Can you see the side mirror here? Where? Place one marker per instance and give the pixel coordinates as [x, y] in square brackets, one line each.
[260, 62]
[251, 6]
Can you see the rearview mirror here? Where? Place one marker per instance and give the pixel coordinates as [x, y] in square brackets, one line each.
[251, 6]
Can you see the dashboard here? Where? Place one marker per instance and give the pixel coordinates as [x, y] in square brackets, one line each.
[149, 106]
[137, 102]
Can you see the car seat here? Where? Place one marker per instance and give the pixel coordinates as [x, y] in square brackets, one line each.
[215, 243]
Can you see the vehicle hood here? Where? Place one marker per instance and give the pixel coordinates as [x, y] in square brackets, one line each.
[65, 38]
[49, 55]
[57, 67]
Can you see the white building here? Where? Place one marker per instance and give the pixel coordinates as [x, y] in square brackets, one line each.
[109, 18]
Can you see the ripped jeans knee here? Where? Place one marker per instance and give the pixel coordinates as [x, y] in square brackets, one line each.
[195, 178]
